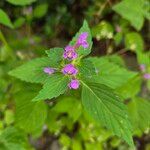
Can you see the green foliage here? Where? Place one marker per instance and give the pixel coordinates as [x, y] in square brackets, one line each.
[127, 90]
[19, 22]
[32, 71]
[134, 42]
[129, 10]
[26, 110]
[65, 104]
[113, 77]
[40, 10]
[81, 50]
[118, 38]
[4, 19]
[103, 30]
[20, 2]
[139, 113]
[5, 53]
[54, 86]
[143, 58]
[109, 73]
[107, 108]
[87, 68]
[55, 54]
[9, 117]
[13, 139]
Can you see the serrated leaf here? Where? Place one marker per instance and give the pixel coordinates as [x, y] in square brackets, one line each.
[55, 54]
[32, 71]
[139, 110]
[86, 68]
[20, 2]
[134, 42]
[107, 108]
[81, 50]
[4, 19]
[110, 73]
[54, 86]
[125, 9]
[30, 116]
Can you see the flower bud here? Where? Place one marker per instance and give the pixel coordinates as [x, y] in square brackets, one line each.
[74, 84]
[70, 70]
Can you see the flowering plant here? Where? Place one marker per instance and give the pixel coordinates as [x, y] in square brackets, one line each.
[68, 69]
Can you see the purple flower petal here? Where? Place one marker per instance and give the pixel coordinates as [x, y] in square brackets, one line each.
[70, 55]
[74, 84]
[85, 44]
[70, 70]
[49, 70]
[69, 48]
[82, 40]
[146, 75]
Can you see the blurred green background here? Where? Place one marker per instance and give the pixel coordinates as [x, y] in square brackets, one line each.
[121, 32]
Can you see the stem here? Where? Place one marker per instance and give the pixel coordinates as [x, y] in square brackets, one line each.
[2, 38]
[121, 51]
[103, 7]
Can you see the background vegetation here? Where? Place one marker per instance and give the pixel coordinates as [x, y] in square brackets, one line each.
[121, 37]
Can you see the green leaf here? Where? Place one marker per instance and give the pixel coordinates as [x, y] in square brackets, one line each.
[54, 86]
[32, 71]
[139, 110]
[116, 59]
[144, 58]
[55, 54]
[134, 42]
[5, 53]
[86, 68]
[20, 2]
[65, 104]
[19, 22]
[12, 139]
[40, 10]
[107, 108]
[110, 73]
[81, 50]
[4, 19]
[30, 116]
[9, 117]
[103, 30]
[127, 90]
[133, 14]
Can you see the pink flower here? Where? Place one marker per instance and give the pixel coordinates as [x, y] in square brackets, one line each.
[142, 67]
[82, 40]
[146, 75]
[49, 70]
[70, 53]
[69, 48]
[74, 84]
[70, 70]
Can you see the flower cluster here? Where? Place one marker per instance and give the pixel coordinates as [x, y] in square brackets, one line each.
[145, 74]
[70, 54]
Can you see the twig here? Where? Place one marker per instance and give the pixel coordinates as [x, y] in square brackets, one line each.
[103, 7]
